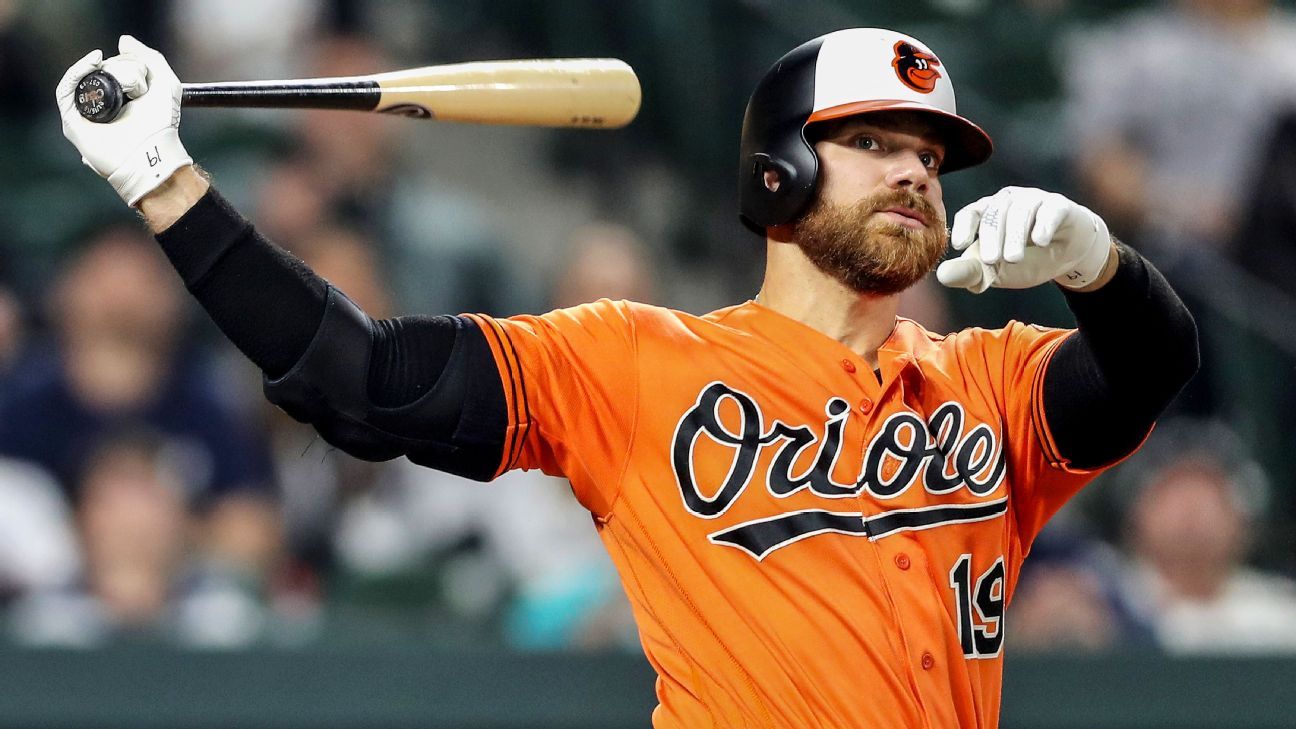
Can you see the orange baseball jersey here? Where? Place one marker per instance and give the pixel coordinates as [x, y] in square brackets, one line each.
[805, 542]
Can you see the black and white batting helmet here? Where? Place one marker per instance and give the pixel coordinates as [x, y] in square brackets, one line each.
[844, 73]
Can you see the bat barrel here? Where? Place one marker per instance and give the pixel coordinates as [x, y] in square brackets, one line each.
[354, 95]
[568, 92]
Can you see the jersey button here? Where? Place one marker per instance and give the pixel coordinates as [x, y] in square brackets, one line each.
[848, 365]
[902, 561]
[866, 406]
[928, 661]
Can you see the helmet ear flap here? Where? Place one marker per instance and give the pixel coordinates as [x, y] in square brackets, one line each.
[784, 173]
[782, 201]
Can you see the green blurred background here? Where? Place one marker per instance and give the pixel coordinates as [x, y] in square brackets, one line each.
[351, 609]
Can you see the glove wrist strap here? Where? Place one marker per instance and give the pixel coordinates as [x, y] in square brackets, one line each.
[149, 165]
[1092, 265]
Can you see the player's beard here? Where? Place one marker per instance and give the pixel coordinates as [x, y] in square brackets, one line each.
[869, 254]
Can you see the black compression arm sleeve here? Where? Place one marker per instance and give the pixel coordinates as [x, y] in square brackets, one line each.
[271, 305]
[266, 301]
[1135, 349]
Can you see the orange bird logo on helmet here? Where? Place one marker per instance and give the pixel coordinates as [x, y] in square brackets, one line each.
[916, 69]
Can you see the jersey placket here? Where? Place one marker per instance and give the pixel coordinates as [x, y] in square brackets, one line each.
[911, 582]
[913, 591]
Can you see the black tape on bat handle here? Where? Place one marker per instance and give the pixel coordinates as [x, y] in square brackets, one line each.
[99, 96]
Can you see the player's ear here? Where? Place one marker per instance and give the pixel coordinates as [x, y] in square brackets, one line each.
[771, 178]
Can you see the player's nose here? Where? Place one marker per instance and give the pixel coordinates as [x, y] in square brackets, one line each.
[906, 171]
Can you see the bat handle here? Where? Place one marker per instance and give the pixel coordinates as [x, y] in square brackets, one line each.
[99, 97]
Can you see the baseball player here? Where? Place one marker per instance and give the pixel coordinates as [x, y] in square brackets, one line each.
[818, 509]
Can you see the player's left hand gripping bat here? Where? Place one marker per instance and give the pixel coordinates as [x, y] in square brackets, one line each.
[563, 92]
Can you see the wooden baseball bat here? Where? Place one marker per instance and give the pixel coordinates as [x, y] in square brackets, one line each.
[600, 93]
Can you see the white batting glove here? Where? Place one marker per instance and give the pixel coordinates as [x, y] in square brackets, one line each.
[140, 149]
[1022, 237]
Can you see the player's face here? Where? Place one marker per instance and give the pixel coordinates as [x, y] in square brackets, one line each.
[878, 223]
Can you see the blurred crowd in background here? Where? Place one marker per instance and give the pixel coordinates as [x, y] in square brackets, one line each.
[149, 493]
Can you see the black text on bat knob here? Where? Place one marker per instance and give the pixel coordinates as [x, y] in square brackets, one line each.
[99, 97]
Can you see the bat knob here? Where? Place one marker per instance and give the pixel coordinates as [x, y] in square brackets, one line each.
[99, 97]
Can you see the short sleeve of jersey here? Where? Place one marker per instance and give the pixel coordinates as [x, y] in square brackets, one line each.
[571, 388]
[1015, 359]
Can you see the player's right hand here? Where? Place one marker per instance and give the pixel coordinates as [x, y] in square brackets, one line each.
[141, 148]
